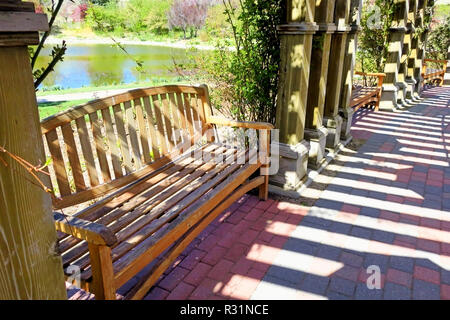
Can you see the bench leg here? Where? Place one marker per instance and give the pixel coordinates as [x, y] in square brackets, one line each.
[102, 272]
[264, 148]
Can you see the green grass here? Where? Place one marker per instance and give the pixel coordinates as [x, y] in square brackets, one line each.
[442, 11]
[47, 109]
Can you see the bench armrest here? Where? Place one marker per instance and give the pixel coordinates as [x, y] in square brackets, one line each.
[242, 124]
[92, 232]
[380, 76]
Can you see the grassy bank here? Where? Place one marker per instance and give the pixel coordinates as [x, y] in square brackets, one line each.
[47, 109]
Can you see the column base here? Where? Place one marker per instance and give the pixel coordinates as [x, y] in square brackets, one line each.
[334, 126]
[401, 94]
[411, 93]
[347, 119]
[293, 166]
[388, 101]
[317, 141]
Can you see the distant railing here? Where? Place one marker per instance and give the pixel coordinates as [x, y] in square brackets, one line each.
[432, 72]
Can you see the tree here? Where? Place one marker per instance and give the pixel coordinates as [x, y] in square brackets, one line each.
[439, 40]
[188, 14]
[58, 51]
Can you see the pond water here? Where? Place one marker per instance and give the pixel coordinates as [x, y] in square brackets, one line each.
[102, 64]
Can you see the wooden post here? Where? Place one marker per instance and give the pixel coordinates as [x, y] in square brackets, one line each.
[348, 70]
[401, 83]
[30, 266]
[315, 132]
[390, 93]
[332, 120]
[296, 42]
[412, 59]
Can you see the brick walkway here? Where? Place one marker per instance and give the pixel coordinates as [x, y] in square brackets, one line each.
[386, 205]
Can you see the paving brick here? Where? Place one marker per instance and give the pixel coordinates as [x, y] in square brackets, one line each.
[314, 284]
[156, 293]
[197, 274]
[348, 272]
[426, 274]
[342, 286]
[383, 236]
[445, 292]
[173, 278]
[214, 256]
[405, 264]
[192, 259]
[445, 276]
[394, 291]
[236, 251]
[364, 293]
[378, 260]
[359, 232]
[399, 277]
[423, 290]
[181, 292]
[428, 245]
[220, 270]
[242, 266]
[286, 274]
[351, 259]
[329, 252]
[205, 289]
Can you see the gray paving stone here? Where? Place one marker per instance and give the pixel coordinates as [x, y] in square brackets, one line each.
[364, 293]
[427, 264]
[319, 221]
[379, 260]
[328, 204]
[370, 212]
[301, 246]
[445, 276]
[423, 290]
[336, 296]
[405, 264]
[383, 236]
[363, 233]
[294, 277]
[394, 291]
[339, 227]
[314, 284]
[342, 286]
[329, 252]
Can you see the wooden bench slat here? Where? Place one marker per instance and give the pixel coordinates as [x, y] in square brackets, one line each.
[104, 218]
[224, 184]
[143, 134]
[159, 204]
[74, 159]
[112, 142]
[87, 151]
[123, 141]
[160, 125]
[188, 113]
[151, 126]
[96, 127]
[168, 122]
[132, 126]
[58, 163]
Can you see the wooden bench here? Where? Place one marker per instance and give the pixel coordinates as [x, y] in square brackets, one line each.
[149, 189]
[433, 75]
[369, 90]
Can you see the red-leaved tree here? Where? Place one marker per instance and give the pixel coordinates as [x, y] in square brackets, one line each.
[188, 15]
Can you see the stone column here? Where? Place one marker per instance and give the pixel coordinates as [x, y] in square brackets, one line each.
[403, 67]
[349, 65]
[396, 37]
[296, 42]
[421, 39]
[447, 71]
[412, 56]
[315, 131]
[332, 120]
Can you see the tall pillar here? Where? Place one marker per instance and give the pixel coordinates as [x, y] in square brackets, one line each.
[403, 67]
[315, 132]
[423, 23]
[30, 266]
[447, 71]
[349, 65]
[396, 37]
[296, 43]
[332, 120]
[413, 47]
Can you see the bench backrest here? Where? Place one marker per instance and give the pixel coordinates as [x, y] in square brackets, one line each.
[107, 143]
